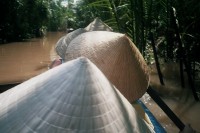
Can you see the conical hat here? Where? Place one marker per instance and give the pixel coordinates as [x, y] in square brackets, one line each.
[98, 25]
[117, 57]
[63, 42]
[73, 97]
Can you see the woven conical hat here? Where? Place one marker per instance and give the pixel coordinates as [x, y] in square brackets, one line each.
[98, 25]
[117, 57]
[63, 42]
[73, 97]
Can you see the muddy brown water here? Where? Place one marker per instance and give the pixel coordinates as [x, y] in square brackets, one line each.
[180, 100]
[20, 61]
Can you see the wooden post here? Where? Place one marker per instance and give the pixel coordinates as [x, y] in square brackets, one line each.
[165, 108]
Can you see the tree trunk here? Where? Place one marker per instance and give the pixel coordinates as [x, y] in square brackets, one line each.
[156, 59]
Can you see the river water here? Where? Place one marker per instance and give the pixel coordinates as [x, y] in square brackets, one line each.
[19, 61]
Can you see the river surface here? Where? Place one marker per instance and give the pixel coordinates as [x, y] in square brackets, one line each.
[19, 61]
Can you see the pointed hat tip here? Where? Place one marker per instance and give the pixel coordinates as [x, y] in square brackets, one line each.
[83, 59]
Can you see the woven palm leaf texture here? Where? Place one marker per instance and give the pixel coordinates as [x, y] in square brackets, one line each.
[63, 42]
[117, 57]
[98, 25]
[73, 97]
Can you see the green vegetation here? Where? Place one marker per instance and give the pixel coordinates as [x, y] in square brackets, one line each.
[22, 19]
[138, 19]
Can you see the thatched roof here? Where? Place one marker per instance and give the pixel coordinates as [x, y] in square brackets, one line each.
[73, 97]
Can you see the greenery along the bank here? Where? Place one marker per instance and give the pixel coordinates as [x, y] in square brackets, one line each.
[22, 19]
[137, 18]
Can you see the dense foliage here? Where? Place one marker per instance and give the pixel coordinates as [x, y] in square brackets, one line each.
[137, 18]
[21, 19]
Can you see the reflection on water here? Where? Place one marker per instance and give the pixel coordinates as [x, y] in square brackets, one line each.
[23, 60]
